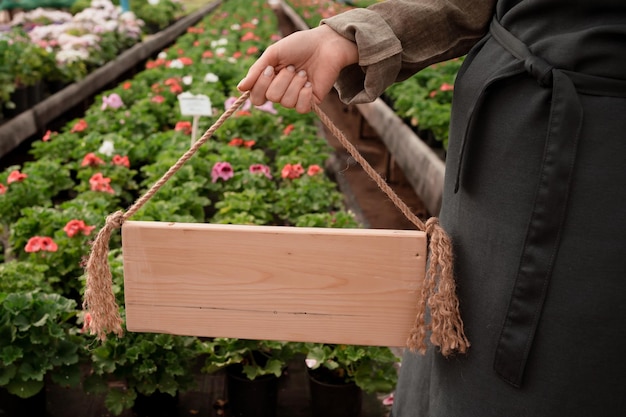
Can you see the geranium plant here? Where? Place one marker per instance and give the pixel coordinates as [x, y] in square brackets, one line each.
[371, 368]
[255, 358]
[38, 340]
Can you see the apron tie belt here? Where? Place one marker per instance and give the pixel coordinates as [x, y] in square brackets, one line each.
[543, 234]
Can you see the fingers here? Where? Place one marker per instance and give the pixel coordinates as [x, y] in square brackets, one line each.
[288, 87]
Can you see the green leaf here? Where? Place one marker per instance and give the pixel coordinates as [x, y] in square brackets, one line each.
[24, 389]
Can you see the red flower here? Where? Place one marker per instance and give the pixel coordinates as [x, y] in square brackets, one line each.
[86, 322]
[237, 54]
[47, 136]
[446, 87]
[79, 126]
[249, 36]
[186, 61]
[157, 99]
[432, 94]
[121, 160]
[74, 227]
[176, 89]
[196, 43]
[171, 81]
[180, 51]
[248, 25]
[156, 88]
[243, 113]
[313, 170]
[98, 182]
[207, 54]
[184, 127]
[288, 129]
[40, 243]
[252, 50]
[16, 176]
[249, 143]
[3, 188]
[91, 160]
[292, 171]
[126, 85]
[235, 142]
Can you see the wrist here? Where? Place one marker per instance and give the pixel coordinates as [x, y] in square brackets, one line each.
[347, 52]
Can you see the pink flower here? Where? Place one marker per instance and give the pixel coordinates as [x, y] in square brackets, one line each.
[231, 100]
[184, 127]
[292, 171]
[446, 87]
[80, 126]
[3, 188]
[388, 400]
[91, 160]
[157, 99]
[47, 136]
[268, 107]
[252, 50]
[222, 170]
[98, 182]
[16, 176]
[113, 101]
[313, 170]
[260, 169]
[121, 160]
[74, 227]
[40, 243]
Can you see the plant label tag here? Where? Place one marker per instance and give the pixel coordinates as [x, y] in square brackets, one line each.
[194, 105]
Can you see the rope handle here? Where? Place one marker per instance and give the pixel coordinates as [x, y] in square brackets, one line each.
[438, 292]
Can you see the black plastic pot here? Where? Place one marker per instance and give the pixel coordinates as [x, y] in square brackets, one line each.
[251, 398]
[158, 404]
[333, 398]
[14, 406]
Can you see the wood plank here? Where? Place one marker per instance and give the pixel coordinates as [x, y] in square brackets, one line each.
[353, 286]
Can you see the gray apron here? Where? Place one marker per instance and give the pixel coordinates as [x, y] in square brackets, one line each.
[535, 202]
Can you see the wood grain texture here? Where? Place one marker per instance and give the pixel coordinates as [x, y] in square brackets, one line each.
[353, 286]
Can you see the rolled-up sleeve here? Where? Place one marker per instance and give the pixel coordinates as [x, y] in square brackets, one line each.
[397, 38]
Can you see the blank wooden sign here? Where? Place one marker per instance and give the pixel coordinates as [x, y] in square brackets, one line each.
[352, 286]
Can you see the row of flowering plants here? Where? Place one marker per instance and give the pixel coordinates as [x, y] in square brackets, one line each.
[51, 48]
[264, 166]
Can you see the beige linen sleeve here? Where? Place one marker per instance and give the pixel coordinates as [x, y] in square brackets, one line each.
[397, 38]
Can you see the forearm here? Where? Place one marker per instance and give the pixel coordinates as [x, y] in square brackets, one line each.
[397, 38]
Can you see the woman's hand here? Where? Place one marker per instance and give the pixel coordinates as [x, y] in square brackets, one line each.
[299, 68]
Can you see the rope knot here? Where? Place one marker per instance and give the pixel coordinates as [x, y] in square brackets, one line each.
[115, 220]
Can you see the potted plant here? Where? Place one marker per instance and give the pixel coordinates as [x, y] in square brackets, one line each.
[339, 374]
[39, 343]
[252, 369]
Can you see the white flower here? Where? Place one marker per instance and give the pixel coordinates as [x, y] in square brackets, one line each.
[220, 51]
[235, 26]
[153, 2]
[162, 55]
[310, 362]
[176, 63]
[211, 78]
[187, 79]
[107, 148]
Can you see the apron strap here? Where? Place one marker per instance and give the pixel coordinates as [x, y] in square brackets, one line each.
[549, 211]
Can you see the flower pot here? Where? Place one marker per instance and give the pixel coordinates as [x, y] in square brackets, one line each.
[19, 98]
[251, 398]
[158, 404]
[34, 94]
[14, 406]
[332, 398]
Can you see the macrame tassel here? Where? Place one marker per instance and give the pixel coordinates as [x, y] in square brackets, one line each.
[439, 295]
[99, 299]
